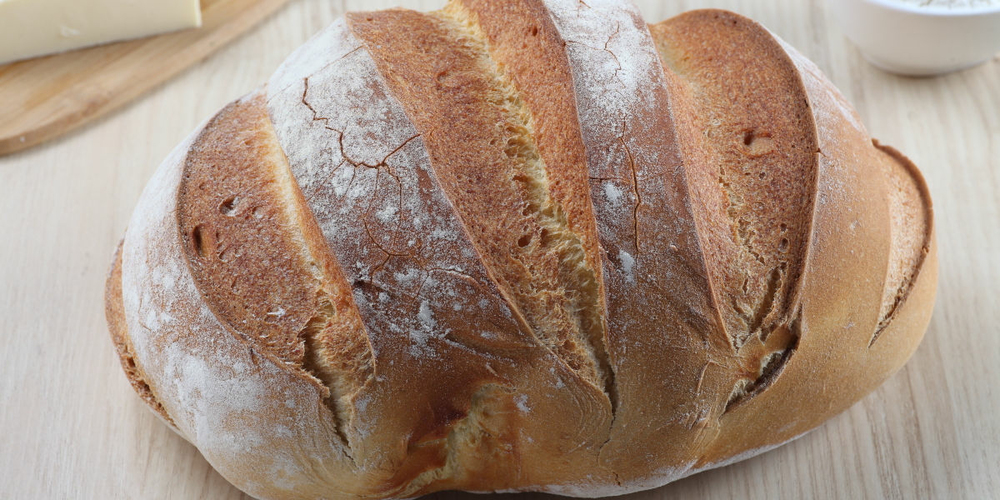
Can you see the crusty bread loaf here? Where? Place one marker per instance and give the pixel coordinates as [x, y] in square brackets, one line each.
[530, 245]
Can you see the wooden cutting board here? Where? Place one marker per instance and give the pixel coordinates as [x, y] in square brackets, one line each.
[43, 98]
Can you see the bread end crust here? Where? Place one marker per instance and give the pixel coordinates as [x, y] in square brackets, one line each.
[114, 311]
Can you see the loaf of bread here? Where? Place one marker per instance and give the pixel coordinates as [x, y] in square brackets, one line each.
[531, 245]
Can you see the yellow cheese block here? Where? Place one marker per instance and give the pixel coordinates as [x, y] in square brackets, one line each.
[30, 28]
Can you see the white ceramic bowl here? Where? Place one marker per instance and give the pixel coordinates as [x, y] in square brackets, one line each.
[913, 40]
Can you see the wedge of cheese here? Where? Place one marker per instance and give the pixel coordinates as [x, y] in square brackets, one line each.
[30, 28]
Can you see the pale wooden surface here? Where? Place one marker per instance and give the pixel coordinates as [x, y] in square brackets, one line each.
[45, 97]
[71, 427]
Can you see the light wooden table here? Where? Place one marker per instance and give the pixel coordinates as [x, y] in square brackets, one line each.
[71, 427]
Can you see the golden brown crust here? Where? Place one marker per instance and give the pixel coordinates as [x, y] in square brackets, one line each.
[450, 397]
[443, 76]
[752, 138]
[259, 259]
[912, 226]
[647, 233]
[745, 134]
[841, 296]
[237, 238]
[522, 40]
[225, 394]
[525, 245]
[525, 43]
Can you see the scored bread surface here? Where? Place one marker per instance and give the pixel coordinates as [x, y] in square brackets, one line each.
[511, 246]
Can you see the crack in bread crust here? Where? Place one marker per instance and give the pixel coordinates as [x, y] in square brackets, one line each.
[441, 72]
[440, 329]
[643, 208]
[244, 224]
[544, 271]
[236, 403]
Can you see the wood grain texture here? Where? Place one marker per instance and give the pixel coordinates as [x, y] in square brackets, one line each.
[45, 97]
[73, 428]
